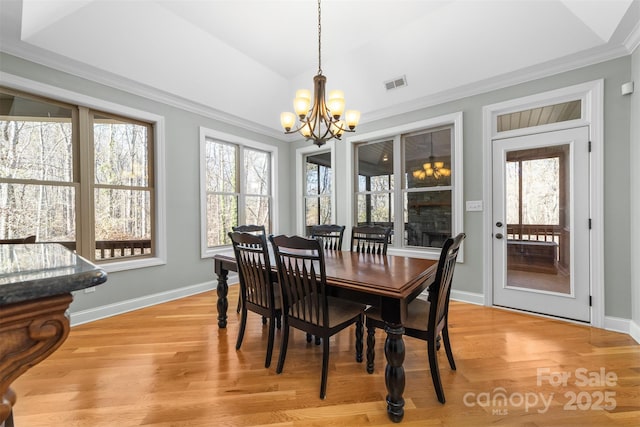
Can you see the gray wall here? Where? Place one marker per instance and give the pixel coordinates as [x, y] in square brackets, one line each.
[635, 191]
[185, 267]
[469, 275]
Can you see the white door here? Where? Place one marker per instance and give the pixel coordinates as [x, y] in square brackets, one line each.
[541, 223]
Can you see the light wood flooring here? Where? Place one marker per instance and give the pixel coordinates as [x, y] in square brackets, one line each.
[170, 365]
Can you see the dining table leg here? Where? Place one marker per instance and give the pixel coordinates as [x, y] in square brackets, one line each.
[394, 374]
[222, 290]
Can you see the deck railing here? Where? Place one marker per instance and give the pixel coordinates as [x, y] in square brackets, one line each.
[106, 249]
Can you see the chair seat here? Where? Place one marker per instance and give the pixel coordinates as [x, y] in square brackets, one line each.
[417, 317]
[340, 310]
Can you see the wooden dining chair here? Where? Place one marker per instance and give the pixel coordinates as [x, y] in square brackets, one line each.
[257, 291]
[249, 228]
[370, 239]
[253, 229]
[329, 234]
[426, 320]
[306, 303]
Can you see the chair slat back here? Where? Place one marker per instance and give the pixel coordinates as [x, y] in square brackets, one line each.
[370, 239]
[440, 290]
[254, 268]
[249, 228]
[302, 278]
[330, 235]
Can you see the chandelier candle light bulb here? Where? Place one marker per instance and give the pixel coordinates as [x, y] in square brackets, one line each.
[319, 119]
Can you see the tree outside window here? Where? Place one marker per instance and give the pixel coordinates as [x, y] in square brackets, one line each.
[317, 196]
[56, 182]
[238, 189]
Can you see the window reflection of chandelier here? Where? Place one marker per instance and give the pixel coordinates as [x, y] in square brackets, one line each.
[432, 169]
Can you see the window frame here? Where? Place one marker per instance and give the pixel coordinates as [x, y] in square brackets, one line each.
[319, 196]
[301, 183]
[80, 101]
[455, 120]
[206, 135]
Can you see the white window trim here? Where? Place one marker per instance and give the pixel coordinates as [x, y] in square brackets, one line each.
[157, 121]
[592, 115]
[454, 119]
[301, 180]
[206, 133]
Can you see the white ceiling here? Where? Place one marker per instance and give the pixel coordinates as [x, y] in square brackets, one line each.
[242, 60]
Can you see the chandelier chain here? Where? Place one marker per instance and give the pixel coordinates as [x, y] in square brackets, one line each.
[319, 120]
[319, 40]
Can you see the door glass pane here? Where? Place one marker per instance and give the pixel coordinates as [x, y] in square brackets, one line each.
[538, 231]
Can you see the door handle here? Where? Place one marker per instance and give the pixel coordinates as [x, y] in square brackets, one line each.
[499, 236]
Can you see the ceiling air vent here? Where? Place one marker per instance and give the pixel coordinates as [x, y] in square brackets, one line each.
[396, 83]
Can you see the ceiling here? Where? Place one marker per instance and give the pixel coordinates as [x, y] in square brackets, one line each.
[241, 61]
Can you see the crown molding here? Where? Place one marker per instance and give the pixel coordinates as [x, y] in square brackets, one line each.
[633, 39]
[97, 75]
[536, 72]
[547, 69]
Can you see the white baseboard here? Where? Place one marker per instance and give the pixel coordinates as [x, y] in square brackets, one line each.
[634, 331]
[626, 326]
[470, 297]
[97, 313]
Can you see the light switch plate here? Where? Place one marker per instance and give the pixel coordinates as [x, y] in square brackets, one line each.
[474, 205]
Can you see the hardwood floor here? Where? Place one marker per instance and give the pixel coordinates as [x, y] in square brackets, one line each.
[170, 365]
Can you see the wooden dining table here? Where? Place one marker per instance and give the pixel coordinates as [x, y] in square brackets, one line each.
[388, 282]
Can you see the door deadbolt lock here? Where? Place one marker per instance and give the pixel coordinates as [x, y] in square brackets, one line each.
[499, 236]
[498, 224]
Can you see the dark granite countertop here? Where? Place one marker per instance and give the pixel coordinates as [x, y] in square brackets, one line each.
[39, 270]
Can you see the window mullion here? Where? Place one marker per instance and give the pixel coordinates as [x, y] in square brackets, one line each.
[240, 185]
[398, 185]
[85, 237]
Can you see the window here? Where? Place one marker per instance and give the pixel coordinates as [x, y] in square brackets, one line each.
[411, 180]
[237, 188]
[374, 200]
[317, 192]
[76, 176]
[543, 115]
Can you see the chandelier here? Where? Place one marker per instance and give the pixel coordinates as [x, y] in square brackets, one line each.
[321, 120]
[432, 169]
